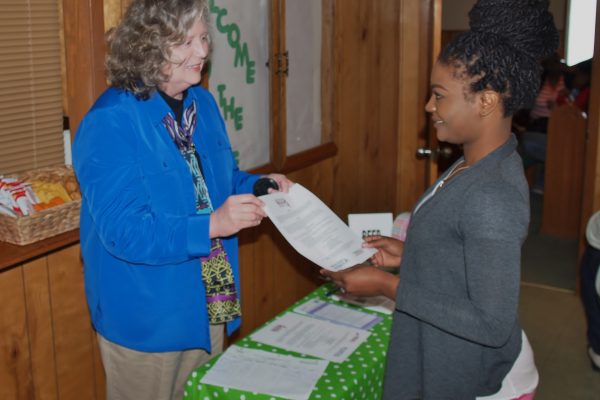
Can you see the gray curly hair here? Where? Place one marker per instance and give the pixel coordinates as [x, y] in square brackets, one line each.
[139, 47]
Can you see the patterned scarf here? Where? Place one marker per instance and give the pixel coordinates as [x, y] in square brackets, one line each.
[221, 295]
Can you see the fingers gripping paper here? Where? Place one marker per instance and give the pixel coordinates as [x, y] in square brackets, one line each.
[314, 230]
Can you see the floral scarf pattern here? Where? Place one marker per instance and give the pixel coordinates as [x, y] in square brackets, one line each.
[221, 294]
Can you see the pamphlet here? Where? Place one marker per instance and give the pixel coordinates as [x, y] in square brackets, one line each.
[314, 230]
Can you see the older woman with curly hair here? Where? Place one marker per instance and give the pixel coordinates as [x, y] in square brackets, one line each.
[163, 200]
[456, 332]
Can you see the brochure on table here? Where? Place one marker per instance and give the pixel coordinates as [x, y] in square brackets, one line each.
[264, 372]
[371, 224]
[318, 327]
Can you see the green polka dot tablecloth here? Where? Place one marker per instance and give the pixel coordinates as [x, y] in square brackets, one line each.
[360, 377]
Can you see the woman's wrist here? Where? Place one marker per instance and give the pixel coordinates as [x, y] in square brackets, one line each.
[389, 285]
[212, 226]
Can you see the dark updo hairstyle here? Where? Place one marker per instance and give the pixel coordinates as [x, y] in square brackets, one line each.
[139, 47]
[503, 49]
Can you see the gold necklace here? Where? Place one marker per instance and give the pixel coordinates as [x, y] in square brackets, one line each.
[454, 172]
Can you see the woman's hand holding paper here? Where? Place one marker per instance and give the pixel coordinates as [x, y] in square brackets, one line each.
[389, 251]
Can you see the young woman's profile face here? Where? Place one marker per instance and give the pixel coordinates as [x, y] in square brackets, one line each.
[453, 108]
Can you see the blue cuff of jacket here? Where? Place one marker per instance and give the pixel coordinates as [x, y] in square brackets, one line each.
[198, 240]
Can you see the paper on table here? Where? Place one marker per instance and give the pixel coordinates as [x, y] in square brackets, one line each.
[307, 335]
[314, 230]
[263, 372]
[338, 314]
[379, 304]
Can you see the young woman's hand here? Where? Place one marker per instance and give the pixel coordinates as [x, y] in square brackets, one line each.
[238, 212]
[389, 250]
[364, 281]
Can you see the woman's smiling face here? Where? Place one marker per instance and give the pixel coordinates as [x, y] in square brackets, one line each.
[453, 107]
[187, 60]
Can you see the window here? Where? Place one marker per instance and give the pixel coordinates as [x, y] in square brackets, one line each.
[271, 76]
[31, 115]
[239, 78]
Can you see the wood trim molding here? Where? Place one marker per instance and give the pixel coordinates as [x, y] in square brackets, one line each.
[277, 104]
[327, 63]
[84, 56]
[591, 180]
[411, 115]
[299, 161]
[308, 157]
[263, 169]
[12, 255]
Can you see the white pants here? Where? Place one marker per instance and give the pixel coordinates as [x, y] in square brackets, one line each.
[134, 375]
[522, 380]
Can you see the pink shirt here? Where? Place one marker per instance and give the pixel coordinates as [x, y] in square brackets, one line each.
[548, 94]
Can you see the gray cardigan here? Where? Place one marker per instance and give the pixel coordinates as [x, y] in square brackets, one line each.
[456, 333]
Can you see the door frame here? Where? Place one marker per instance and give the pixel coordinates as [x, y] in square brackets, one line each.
[418, 19]
[591, 180]
[83, 23]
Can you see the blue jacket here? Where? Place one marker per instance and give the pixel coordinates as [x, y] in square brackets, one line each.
[140, 236]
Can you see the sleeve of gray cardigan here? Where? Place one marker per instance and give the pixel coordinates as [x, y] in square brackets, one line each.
[494, 222]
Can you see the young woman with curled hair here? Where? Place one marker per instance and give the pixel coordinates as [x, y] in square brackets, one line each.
[163, 200]
[455, 332]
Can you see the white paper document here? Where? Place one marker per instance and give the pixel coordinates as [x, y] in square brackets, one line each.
[338, 314]
[379, 304]
[311, 336]
[314, 230]
[267, 373]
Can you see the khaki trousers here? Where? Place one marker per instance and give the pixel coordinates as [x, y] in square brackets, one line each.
[135, 375]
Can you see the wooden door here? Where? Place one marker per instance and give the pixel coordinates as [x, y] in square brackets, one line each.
[438, 155]
[563, 183]
[591, 185]
[422, 20]
[433, 165]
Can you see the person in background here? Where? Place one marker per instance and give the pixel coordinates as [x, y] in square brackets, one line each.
[163, 200]
[553, 86]
[578, 86]
[590, 288]
[455, 332]
[534, 138]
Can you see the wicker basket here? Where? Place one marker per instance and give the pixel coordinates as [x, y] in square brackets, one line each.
[46, 223]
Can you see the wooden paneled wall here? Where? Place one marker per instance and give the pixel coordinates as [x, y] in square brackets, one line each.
[564, 166]
[48, 349]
